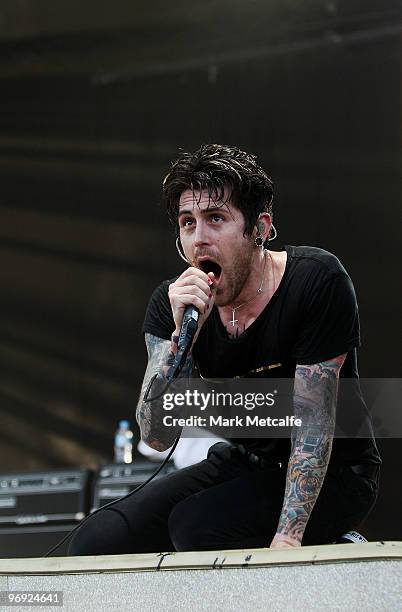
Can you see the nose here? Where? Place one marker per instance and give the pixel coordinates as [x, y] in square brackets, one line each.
[201, 234]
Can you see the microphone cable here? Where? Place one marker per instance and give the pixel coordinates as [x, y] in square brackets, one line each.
[187, 332]
[141, 486]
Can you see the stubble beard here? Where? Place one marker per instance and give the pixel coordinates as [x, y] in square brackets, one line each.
[236, 276]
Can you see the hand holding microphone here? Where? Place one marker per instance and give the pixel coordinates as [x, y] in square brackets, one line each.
[191, 298]
[193, 288]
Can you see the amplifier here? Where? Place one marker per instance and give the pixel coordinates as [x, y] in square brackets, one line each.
[34, 540]
[116, 480]
[42, 497]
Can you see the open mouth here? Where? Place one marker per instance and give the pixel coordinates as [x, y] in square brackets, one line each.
[207, 265]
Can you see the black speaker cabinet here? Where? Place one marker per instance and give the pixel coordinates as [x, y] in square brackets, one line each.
[33, 540]
[117, 480]
[60, 496]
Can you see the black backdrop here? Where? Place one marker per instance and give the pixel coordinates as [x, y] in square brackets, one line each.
[96, 99]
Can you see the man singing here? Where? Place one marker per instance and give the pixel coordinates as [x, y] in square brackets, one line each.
[285, 314]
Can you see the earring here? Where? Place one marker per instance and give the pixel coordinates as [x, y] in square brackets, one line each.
[258, 241]
[180, 253]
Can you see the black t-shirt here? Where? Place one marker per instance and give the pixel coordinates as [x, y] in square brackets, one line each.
[311, 317]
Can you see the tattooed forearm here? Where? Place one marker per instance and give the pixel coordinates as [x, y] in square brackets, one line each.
[149, 415]
[315, 394]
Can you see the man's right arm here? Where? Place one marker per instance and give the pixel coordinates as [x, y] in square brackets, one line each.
[150, 414]
[192, 287]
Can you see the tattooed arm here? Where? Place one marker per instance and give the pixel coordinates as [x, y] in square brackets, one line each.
[194, 287]
[149, 415]
[315, 395]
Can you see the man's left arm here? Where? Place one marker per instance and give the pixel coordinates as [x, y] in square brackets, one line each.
[315, 396]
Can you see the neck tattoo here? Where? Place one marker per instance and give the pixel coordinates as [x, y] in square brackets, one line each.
[233, 321]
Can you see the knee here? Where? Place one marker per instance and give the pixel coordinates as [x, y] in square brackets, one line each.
[105, 533]
[186, 528]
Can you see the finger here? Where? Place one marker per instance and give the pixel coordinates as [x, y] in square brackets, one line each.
[193, 279]
[211, 280]
[191, 290]
[208, 308]
[201, 290]
[188, 299]
[194, 272]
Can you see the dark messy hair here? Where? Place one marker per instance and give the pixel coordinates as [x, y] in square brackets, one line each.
[212, 168]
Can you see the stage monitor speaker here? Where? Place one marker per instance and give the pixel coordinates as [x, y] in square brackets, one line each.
[33, 540]
[117, 480]
[44, 497]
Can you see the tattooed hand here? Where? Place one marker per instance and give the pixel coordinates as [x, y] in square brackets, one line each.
[282, 541]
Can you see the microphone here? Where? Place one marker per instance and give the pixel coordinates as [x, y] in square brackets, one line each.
[188, 330]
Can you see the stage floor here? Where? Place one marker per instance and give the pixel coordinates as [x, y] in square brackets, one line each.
[337, 577]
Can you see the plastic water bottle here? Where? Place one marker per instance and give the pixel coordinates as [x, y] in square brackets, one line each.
[123, 443]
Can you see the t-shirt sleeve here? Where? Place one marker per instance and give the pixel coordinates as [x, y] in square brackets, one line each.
[158, 317]
[329, 323]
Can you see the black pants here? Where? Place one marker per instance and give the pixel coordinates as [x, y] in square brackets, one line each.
[224, 502]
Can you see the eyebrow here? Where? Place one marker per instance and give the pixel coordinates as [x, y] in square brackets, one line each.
[204, 211]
